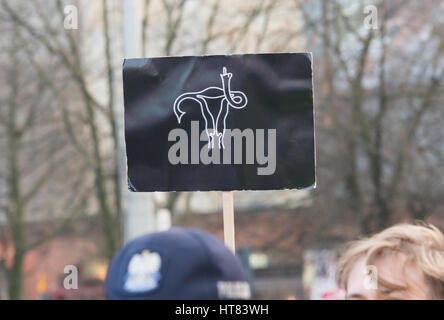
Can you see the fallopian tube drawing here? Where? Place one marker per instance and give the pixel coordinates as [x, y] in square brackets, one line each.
[227, 97]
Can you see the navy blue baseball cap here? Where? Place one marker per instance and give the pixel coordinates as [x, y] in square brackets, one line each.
[178, 264]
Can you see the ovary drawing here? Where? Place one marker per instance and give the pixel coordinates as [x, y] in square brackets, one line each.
[218, 115]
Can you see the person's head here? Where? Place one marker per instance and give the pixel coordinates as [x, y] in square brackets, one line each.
[178, 264]
[402, 262]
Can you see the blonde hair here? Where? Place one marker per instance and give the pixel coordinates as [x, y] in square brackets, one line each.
[421, 243]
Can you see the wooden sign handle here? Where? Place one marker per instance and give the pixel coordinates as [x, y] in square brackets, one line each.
[228, 210]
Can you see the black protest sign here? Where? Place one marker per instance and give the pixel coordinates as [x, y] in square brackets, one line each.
[223, 122]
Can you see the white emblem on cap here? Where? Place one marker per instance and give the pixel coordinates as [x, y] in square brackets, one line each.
[143, 272]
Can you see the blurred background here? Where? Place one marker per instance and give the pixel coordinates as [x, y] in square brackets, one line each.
[379, 104]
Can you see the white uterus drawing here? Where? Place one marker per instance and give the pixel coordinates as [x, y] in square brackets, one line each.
[216, 116]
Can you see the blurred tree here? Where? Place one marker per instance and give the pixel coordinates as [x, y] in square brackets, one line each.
[66, 46]
[365, 93]
[35, 159]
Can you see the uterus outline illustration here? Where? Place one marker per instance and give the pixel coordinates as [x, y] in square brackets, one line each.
[215, 114]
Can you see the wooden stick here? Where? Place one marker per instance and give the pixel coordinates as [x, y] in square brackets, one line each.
[228, 210]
